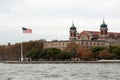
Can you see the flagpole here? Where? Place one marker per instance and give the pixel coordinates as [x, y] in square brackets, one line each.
[28, 31]
[21, 51]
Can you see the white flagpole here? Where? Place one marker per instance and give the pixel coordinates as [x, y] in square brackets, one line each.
[25, 30]
[21, 51]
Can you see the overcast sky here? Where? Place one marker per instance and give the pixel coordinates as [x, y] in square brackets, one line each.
[51, 19]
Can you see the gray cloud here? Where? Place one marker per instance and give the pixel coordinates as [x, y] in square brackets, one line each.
[5, 6]
[51, 19]
[67, 8]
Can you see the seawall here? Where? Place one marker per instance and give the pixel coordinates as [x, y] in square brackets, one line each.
[59, 62]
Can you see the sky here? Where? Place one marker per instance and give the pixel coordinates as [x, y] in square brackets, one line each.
[52, 19]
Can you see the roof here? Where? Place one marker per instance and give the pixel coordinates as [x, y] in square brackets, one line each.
[98, 32]
[93, 32]
[73, 27]
[103, 24]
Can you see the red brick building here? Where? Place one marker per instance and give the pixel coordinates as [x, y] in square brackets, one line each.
[88, 38]
[103, 34]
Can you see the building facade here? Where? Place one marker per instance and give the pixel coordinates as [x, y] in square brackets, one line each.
[87, 38]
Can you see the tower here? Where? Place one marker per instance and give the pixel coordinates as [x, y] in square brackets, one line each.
[103, 30]
[73, 32]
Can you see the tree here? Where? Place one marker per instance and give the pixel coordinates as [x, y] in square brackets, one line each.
[96, 50]
[2, 52]
[111, 48]
[80, 52]
[72, 49]
[104, 54]
[87, 55]
[63, 56]
[115, 50]
[84, 53]
[34, 54]
[13, 52]
[27, 46]
[51, 53]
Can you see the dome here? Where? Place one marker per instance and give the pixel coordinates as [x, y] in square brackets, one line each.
[73, 27]
[103, 24]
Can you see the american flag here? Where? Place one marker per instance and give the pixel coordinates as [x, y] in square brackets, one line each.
[26, 30]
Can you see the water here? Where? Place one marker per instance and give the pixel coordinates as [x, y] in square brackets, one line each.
[82, 71]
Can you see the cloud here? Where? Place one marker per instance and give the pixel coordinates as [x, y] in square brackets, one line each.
[51, 19]
[66, 8]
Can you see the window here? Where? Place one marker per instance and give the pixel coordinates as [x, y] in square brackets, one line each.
[86, 43]
[102, 43]
[82, 43]
[98, 43]
[90, 43]
[51, 44]
[83, 38]
[59, 44]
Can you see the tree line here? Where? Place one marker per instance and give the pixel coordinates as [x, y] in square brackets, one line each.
[13, 52]
[33, 50]
[74, 51]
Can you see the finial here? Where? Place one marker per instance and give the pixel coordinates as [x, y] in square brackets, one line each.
[103, 20]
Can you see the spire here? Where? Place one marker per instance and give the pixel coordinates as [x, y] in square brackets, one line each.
[72, 23]
[73, 26]
[103, 20]
[103, 24]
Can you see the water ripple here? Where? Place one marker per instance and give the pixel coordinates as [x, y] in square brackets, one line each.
[83, 71]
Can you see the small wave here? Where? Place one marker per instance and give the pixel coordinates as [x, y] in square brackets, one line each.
[52, 76]
[10, 79]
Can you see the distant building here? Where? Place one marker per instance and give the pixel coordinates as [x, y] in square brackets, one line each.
[88, 38]
[102, 35]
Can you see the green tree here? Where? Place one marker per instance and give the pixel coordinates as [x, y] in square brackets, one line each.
[63, 56]
[34, 54]
[96, 50]
[115, 50]
[27, 46]
[111, 48]
[51, 53]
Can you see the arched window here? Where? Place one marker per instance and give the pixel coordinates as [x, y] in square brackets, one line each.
[101, 32]
[83, 38]
[105, 32]
[74, 34]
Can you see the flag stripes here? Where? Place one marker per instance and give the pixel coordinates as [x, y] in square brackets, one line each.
[26, 30]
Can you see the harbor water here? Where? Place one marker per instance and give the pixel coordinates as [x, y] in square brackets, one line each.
[80, 71]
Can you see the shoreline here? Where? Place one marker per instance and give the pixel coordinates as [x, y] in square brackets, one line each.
[59, 62]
